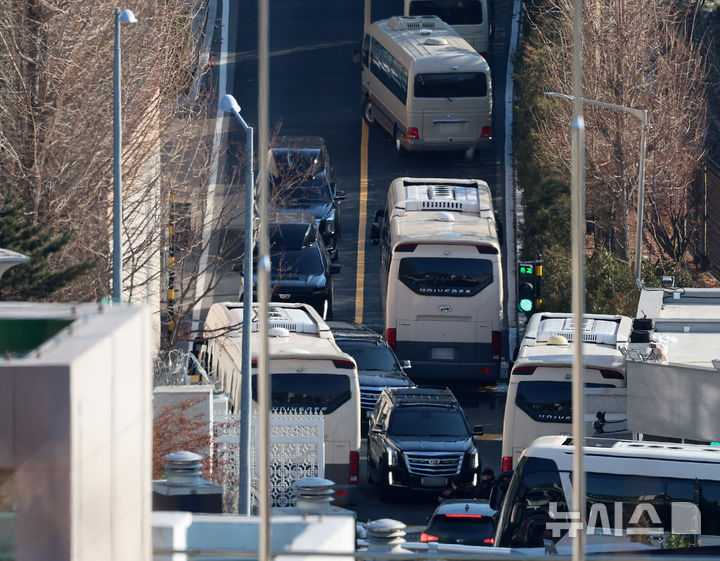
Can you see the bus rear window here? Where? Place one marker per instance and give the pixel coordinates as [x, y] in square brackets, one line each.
[451, 85]
[548, 402]
[439, 276]
[325, 392]
[454, 12]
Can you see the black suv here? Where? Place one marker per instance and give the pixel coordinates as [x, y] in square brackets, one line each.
[419, 440]
[378, 366]
[300, 268]
[302, 179]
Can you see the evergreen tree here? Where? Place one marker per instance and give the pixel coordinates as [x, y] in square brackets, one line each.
[34, 280]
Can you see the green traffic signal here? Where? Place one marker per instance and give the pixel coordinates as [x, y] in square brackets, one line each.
[526, 296]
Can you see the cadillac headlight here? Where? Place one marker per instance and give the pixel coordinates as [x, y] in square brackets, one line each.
[391, 456]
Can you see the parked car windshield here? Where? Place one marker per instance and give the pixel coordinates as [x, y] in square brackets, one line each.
[369, 355]
[288, 262]
[428, 421]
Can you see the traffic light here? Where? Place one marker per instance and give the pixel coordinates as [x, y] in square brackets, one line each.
[529, 281]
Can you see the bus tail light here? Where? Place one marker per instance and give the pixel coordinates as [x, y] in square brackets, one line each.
[486, 132]
[413, 133]
[343, 364]
[487, 249]
[506, 463]
[391, 337]
[406, 247]
[524, 370]
[612, 374]
[425, 537]
[354, 467]
[496, 344]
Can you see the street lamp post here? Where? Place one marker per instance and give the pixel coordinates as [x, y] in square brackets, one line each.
[642, 115]
[228, 104]
[125, 17]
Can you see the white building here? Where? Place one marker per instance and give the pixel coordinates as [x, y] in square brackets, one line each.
[75, 432]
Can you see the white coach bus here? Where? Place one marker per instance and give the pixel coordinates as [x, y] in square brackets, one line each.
[441, 279]
[425, 85]
[308, 371]
[637, 489]
[538, 401]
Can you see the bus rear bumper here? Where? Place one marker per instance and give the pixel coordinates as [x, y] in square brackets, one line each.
[456, 373]
[413, 145]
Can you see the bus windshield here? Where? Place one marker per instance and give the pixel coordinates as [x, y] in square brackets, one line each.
[451, 85]
[454, 12]
[443, 276]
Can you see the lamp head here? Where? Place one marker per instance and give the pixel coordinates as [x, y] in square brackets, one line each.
[229, 104]
[127, 17]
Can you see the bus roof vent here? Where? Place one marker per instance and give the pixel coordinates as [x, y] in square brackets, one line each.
[458, 198]
[416, 22]
[557, 340]
[601, 331]
[435, 41]
[444, 216]
[283, 321]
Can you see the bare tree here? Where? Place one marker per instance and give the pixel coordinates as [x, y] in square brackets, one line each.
[635, 54]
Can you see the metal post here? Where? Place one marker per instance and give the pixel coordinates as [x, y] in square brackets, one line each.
[263, 288]
[117, 169]
[641, 198]
[245, 406]
[578, 282]
[125, 17]
[228, 103]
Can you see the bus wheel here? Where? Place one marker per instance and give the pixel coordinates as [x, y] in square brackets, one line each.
[398, 144]
[367, 112]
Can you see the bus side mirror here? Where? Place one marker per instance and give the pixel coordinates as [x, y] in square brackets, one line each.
[339, 195]
[406, 364]
[500, 230]
[374, 233]
[356, 56]
[478, 430]
[334, 268]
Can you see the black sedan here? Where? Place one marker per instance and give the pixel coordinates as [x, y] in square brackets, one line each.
[302, 180]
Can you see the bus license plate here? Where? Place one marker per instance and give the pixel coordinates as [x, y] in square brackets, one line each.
[442, 353]
[451, 128]
[433, 481]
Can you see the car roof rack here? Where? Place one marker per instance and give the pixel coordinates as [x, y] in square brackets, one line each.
[433, 396]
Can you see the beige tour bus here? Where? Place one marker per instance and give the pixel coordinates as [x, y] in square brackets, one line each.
[441, 279]
[308, 371]
[425, 85]
[539, 395]
[470, 18]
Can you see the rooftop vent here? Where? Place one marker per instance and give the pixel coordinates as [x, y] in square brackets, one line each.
[295, 320]
[557, 340]
[435, 41]
[416, 22]
[458, 198]
[314, 494]
[599, 331]
[445, 216]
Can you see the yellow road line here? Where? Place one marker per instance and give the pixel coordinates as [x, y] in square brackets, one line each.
[362, 223]
[488, 437]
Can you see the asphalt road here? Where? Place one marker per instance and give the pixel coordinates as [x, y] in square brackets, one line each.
[315, 90]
